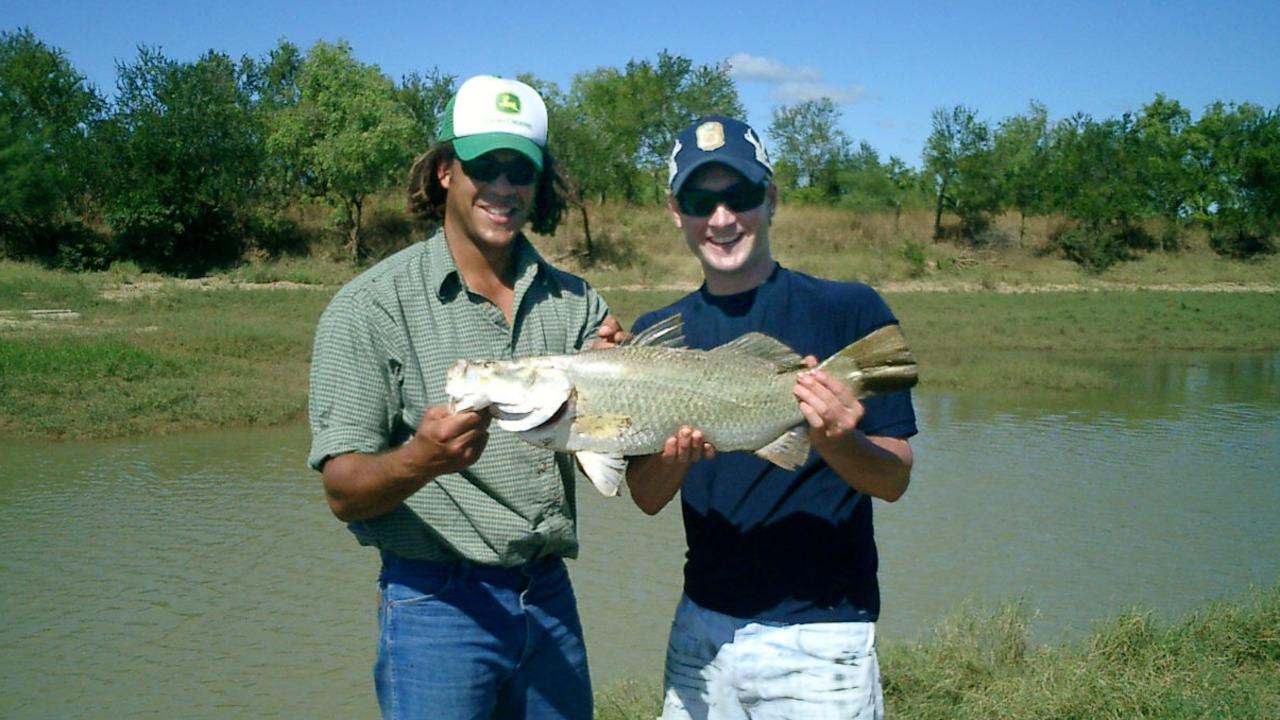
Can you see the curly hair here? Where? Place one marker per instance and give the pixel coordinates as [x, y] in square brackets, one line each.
[427, 196]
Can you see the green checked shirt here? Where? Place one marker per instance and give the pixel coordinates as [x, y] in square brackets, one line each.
[382, 349]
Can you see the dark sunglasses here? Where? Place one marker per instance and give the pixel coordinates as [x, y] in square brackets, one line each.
[739, 197]
[486, 168]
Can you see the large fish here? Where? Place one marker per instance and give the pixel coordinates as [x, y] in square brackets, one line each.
[604, 405]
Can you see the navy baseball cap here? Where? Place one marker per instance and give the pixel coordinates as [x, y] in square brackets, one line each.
[718, 139]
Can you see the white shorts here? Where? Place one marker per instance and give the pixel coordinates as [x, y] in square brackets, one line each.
[725, 668]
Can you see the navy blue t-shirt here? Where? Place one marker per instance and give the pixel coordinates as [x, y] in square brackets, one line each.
[771, 544]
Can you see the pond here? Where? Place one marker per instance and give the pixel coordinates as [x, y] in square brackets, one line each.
[202, 576]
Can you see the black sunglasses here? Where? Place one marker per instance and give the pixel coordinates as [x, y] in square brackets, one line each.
[739, 197]
[487, 168]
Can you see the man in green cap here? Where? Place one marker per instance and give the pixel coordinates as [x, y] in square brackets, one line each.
[476, 613]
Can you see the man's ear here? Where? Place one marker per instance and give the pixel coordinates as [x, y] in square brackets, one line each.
[444, 172]
[675, 210]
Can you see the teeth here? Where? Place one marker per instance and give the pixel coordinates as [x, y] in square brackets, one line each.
[724, 241]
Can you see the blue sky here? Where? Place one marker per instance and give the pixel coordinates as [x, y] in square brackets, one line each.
[886, 67]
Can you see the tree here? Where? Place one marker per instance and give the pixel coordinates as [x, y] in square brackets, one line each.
[347, 137]
[603, 156]
[810, 146]
[1095, 179]
[630, 119]
[182, 154]
[1164, 156]
[272, 85]
[1237, 148]
[577, 151]
[1019, 147]
[668, 95]
[424, 98]
[46, 109]
[272, 82]
[960, 168]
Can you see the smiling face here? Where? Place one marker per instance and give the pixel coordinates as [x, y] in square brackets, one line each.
[733, 246]
[488, 213]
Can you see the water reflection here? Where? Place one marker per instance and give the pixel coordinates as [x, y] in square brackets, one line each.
[202, 576]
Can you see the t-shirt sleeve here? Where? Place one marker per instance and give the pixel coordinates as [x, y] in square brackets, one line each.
[354, 398]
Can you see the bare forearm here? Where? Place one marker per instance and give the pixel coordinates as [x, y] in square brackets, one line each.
[653, 482]
[875, 466]
[361, 487]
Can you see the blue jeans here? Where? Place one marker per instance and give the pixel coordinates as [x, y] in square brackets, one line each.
[725, 668]
[459, 640]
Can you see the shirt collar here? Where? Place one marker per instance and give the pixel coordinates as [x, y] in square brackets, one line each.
[446, 281]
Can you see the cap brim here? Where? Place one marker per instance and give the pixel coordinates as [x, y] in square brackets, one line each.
[473, 146]
[752, 171]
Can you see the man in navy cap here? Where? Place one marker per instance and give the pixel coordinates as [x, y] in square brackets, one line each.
[780, 592]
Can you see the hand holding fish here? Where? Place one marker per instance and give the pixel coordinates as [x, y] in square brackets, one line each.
[686, 447]
[876, 466]
[361, 486]
[654, 479]
[448, 442]
[827, 404]
[610, 334]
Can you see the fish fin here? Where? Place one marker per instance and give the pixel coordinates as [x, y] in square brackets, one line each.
[605, 471]
[766, 348]
[880, 362]
[669, 332]
[789, 450]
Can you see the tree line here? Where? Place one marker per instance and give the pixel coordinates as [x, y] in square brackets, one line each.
[191, 164]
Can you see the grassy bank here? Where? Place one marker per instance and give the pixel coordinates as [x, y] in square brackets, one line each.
[1222, 661]
[149, 357]
[165, 358]
[140, 354]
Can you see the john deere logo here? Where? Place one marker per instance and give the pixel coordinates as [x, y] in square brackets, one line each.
[508, 103]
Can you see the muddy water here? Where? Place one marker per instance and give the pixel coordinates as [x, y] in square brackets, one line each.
[202, 577]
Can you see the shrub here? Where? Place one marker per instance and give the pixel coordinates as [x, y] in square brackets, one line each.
[913, 253]
[1096, 248]
[1242, 236]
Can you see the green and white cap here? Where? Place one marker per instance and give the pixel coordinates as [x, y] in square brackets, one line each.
[491, 113]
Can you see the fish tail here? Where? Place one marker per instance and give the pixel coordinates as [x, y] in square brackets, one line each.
[881, 362]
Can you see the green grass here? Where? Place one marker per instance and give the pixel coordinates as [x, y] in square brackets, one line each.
[1053, 341]
[1222, 661]
[166, 360]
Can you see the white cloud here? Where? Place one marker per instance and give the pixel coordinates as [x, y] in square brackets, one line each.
[792, 84]
[749, 67]
[792, 92]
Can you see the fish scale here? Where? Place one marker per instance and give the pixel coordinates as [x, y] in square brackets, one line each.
[739, 402]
